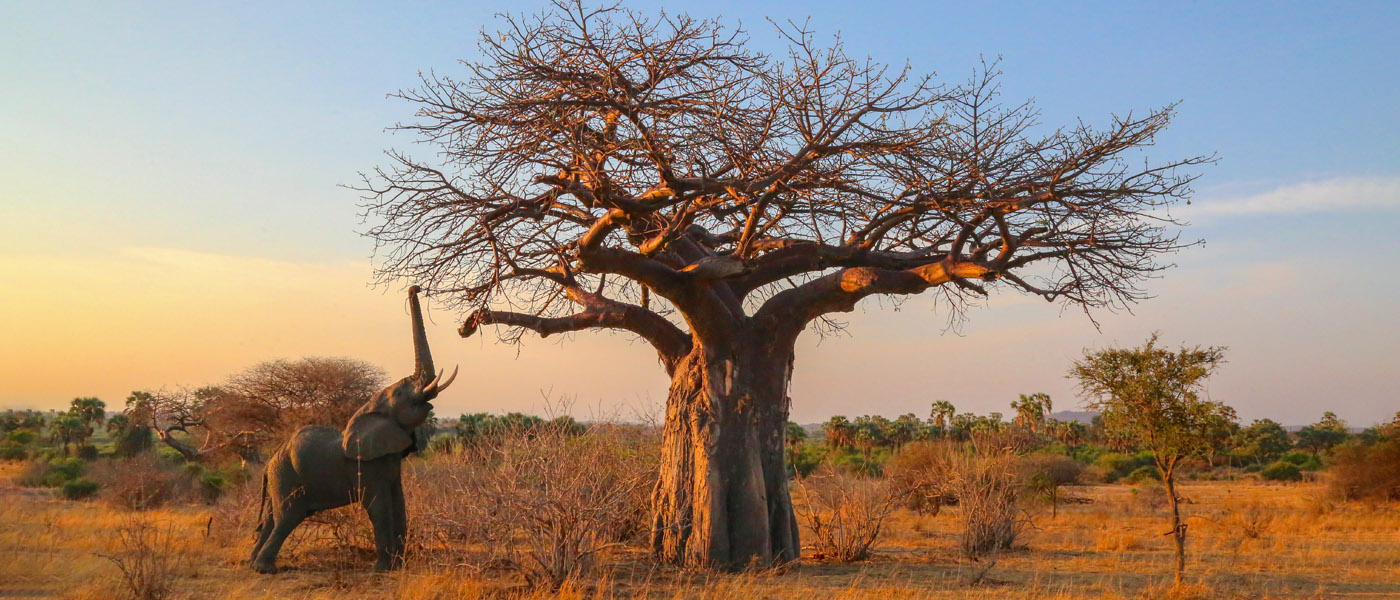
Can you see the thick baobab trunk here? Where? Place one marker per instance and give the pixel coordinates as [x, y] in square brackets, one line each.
[722, 499]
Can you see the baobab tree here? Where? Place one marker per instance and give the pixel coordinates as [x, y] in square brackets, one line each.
[605, 169]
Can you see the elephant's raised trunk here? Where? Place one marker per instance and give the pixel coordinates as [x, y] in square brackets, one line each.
[422, 358]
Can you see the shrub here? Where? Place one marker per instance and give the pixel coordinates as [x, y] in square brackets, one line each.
[87, 452]
[921, 472]
[1043, 474]
[77, 489]
[1281, 471]
[806, 459]
[1151, 495]
[987, 484]
[846, 512]
[141, 483]
[1369, 473]
[1142, 474]
[22, 437]
[1296, 457]
[51, 473]
[148, 558]
[1113, 466]
[542, 502]
[12, 451]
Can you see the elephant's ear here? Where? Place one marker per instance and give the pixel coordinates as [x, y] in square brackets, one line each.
[371, 435]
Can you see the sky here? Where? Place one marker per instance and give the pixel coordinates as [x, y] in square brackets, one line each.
[172, 208]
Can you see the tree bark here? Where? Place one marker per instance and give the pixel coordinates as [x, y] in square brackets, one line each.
[722, 499]
[1178, 531]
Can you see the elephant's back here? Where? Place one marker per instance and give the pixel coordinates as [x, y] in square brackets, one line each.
[315, 447]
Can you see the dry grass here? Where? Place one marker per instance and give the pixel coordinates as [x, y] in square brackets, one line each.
[1248, 540]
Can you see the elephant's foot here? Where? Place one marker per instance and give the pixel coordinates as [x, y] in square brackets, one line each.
[265, 567]
[387, 565]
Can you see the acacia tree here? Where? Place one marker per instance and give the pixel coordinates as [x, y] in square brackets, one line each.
[604, 169]
[1149, 396]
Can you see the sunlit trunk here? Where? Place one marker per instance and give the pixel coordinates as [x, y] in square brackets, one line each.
[722, 499]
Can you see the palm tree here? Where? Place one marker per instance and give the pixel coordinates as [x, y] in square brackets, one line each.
[68, 429]
[839, 432]
[1031, 411]
[942, 415]
[90, 410]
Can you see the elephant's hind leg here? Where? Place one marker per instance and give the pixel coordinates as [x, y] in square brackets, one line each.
[286, 522]
[264, 531]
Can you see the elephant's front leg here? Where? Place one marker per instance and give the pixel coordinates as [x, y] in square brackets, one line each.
[379, 504]
[400, 524]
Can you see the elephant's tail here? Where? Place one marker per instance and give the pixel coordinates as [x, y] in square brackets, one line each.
[262, 501]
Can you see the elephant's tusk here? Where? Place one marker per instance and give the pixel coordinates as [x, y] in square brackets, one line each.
[450, 379]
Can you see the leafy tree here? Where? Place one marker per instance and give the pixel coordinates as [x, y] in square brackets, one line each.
[604, 169]
[130, 437]
[21, 420]
[1323, 435]
[1263, 441]
[793, 436]
[1150, 396]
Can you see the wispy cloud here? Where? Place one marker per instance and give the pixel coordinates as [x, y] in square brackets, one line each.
[1325, 196]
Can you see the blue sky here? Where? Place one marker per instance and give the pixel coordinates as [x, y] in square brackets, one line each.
[171, 207]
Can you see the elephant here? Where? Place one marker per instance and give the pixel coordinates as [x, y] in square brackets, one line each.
[321, 468]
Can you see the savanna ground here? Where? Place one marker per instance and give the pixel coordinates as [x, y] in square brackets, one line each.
[1248, 540]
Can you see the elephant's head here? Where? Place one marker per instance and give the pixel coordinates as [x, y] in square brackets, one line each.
[386, 423]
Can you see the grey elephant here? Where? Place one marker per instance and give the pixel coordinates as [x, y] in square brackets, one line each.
[321, 468]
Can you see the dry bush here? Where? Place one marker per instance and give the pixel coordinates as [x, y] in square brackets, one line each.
[148, 557]
[988, 491]
[921, 470]
[142, 482]
[234, 518]
[846, 511]
[541, 502]
[1150, 496]
[1370, 473]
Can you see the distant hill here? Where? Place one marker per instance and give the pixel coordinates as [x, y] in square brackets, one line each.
[1083, 416]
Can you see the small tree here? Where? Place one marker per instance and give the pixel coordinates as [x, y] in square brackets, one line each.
[1262, 441]
[1323, 435]
[1149, 396]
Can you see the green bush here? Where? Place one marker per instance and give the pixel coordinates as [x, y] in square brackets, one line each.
[77, 489]
[1142, 474]
[1113, 466]
[51, 473]
[1296, 457]
[12, 451]
[22, 437]
[211, 486]
[87, 452]
[1282, 471]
